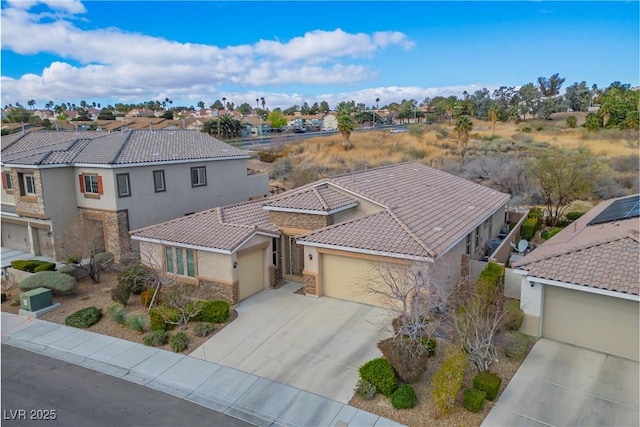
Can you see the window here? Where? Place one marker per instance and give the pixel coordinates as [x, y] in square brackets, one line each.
[477, 242]
[468, 251]
[180, 261]
[274, 251]
[124, 189]
[91, 185]
[198, 176]
[158, 181]
[7, 182]
[27, 184]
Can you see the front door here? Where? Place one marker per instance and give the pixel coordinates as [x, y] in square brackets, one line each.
[293, 259]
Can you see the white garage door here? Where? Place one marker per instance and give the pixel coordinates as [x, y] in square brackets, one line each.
[597, 322]
[15, 236]
[250, 273]
[347, 278]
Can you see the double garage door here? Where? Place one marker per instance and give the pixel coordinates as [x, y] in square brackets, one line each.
[593, 321]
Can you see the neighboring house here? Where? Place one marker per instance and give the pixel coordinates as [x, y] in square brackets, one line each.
[120, 181]
[330, 122]
[326, 234]
[581, 286]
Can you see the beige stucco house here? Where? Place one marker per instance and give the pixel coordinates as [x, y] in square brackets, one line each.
[327, 234]
[117, 181]
[581, 286]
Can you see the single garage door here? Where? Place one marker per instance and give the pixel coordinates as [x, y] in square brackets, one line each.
[597, 322]
[347, 278]
[15, 236]
[250, 273]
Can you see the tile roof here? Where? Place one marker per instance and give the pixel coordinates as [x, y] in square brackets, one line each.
[604, 256]
[116, 148]
[321, 198]
[221, 229]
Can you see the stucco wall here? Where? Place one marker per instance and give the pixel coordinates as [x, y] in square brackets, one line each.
[59, 199]
[531, 298]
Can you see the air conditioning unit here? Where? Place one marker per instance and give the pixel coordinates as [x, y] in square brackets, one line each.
[36, 299]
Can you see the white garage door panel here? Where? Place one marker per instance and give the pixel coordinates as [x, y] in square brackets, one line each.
[15, 236]
[250, 274]
[345, 278]
[598, 322]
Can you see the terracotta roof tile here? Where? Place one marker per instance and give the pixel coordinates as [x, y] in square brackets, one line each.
[320, 198]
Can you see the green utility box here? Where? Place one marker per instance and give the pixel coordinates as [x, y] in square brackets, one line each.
[36, 299]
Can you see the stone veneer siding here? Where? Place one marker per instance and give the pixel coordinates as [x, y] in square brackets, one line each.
[310, 284]
[210, 289]
[300, 220]
[116, 229]
[33, 208]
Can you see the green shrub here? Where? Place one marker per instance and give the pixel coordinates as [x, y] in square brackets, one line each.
[203, 329]
[213, 311]
[380, 373]
[120, 294]
[526, 129]
[117, 313]
[84, 318]
[179, 342]
[528, 228]
[487, 382]
[572, 216]
[158, 317]
[49, 266]
[404, 397]
[147, 295]
[67, 269]
[447, 380]
[136, 322]
[430, 344]
[547, 234]
[365, 389]
[103, 257]
[488, 284]
[60, 284]
[572, 122]
[134, 278]
[155, 338]
[513, 315]
[29, 265]
[473, 399]
[515, 344]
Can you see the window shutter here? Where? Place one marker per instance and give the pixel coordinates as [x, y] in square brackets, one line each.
[4, 181]
[100, 185]
[81, 183]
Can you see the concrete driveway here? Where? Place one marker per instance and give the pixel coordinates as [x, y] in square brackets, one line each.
[315, 344]
[562, 385]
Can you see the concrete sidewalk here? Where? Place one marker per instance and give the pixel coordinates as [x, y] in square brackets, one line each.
[239, 394]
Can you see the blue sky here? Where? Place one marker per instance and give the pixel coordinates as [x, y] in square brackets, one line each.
[292, 52]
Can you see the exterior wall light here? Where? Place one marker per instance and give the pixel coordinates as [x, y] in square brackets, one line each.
[235, 264]
[310, 257]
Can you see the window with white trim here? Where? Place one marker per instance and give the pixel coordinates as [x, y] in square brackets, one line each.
[7, 182]
[27, 184]
[91, 184]
[198, 176]
[180, 261]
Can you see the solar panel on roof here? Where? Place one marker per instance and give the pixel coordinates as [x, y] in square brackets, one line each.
[619, 210]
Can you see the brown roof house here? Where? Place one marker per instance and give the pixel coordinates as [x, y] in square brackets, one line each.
[327, 234]
[116, 181]
[581, 286]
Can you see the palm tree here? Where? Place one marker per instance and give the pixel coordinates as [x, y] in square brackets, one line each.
[492, 114]
[449, 108]
[346, 124]
[463, 128]
[374, 114]
[31, 103]
[201, 105]
[262, 101]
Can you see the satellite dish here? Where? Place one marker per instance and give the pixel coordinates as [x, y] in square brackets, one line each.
[522, 245]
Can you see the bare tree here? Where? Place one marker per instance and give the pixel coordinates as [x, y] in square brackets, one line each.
[180, 298]
[81, 243]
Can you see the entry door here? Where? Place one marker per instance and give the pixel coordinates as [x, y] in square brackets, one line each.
[294, 259]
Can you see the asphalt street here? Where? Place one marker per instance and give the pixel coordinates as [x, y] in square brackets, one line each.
[38, 390]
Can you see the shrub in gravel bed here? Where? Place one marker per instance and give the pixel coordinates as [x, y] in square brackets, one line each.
[365, 389]
[213, 311]
[158, 317]
[179, 342]
[203, 329]
[67, 269]
[135, 278]
[117, 313]
[487, 382]
[515, 344]
[447, 380]
[513, 315]
[404, 397]
[84, 318]
[121, 294]
[380, 373]
[155, 338]
[60, 284]
[473, 399]
[136, 322]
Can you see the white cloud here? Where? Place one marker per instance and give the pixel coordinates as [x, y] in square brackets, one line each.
[69, 6]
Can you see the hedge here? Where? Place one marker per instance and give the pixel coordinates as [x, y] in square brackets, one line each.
[67, 269]
[488, 285]
[404, 397]
[48, 266]
[473, 399]
[380, 373]
[213, 311]
[84, 318]
[487, 382]
[528, 229]
[447, 380]
[59, 283]
[30, 265]
[572, 216]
